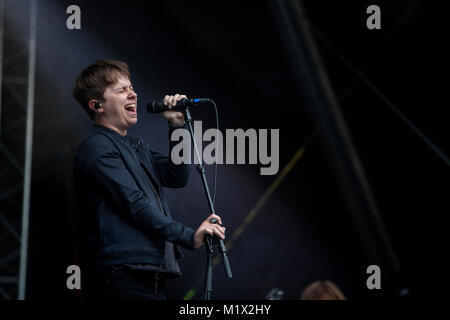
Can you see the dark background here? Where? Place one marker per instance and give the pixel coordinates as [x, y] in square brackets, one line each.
[232, 52]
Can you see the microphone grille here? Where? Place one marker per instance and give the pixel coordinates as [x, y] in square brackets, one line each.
[151, 107]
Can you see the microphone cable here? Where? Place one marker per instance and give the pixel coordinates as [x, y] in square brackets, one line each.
[216, 151]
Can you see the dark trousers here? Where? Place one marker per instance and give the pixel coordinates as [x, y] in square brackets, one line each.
[108, 283]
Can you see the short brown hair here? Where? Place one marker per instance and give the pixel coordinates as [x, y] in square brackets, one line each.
[93, 80]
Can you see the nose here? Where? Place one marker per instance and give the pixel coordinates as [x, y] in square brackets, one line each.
[132, 95]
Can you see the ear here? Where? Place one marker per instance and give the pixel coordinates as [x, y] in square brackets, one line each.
[92, 105]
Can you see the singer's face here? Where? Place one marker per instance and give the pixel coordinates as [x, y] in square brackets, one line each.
[120, 105]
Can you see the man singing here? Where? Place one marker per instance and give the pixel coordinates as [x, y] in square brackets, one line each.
[132, 239]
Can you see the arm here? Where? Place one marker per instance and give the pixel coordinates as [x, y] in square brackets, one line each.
[103, 163]
[170, 174]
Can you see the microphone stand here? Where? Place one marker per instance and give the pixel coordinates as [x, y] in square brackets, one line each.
[208, 239]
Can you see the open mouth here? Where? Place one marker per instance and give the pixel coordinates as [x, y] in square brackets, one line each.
[131, 108]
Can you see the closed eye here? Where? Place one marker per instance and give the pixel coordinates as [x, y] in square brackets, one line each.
[124, 88]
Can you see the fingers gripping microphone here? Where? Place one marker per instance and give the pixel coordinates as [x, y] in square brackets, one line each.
[159, 106]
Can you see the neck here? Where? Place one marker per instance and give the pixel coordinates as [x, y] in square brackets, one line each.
[109, 126]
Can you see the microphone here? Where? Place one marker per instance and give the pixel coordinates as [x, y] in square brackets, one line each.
[159, 106]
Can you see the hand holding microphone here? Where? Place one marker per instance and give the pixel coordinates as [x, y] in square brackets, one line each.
[176, 118]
